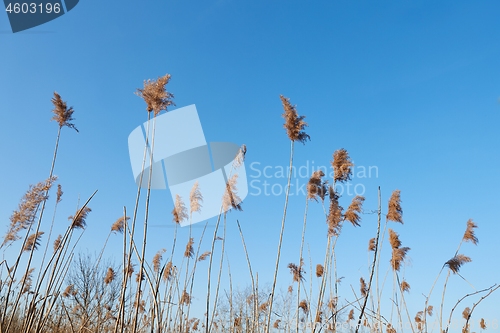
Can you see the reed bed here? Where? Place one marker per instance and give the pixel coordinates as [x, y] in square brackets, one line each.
[66, 291]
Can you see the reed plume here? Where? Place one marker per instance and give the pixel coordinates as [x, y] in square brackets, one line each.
[482, 324]
[316, 187]
[33, 241]
[79, 220]
[62, 114]
[405, 286]
[277, 323]
[24, 216]
[354, 209]
[195, 198]
[189, 252]
[204, 256]
[342, 166]
[371, 244]
[179, 212]
[27, 281]
[466, 313]
[59, 193]
[294, 124]
[351, 315]
[57, 242]
[395, 212]
[334, 214]
[456, 262]
[363, 288]
[155, 95]
[394, 239]
[429, 310]
[304, 306]
[157, 259]
[398, 256]
[297, 271]
[319, 270]
[185, 298]
[119, 224]
[469, 235]
[168, 271]
[240, 157]
[110, 276]
[230, 198]
[69, 291]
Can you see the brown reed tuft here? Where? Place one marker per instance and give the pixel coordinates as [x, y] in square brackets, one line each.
[354, 209]
[290, 289]
[57, 242]
[195, 325]
[195, 198]
[119, 224]
[237, 322]
[69, 291]
[342, 166]
[139, 277]
[110, 276]
[398, 256]
[62, 114]
[78, 221]
[27, 281]
[185, 298]
[394, 239]
[204, 255]
[395, 212]
[263, 306]
[390, 329]
[371, 244]
[294, 124]
[157, 260]
[277, 323]
[179, 212]
[351, 315]
[469, 235]
[363, 288]
[25, 215]
[419, 320]
[304, 306]
[319, 270]
[316, 187]
[33, 241]
[466, 313]
[129, 270]
[456, 262]
[168, 271]
[429, 310]
[230, 199]
[297, 271]
[405, 286]
[240, 157]
[319, 317]
[482, 324]
[334, 214]
[332, 304]
[59, 193]
[189, 252]
[155, 95]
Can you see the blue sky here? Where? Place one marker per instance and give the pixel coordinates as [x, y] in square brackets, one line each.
[410, 87]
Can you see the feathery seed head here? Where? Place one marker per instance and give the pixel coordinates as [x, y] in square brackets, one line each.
[294, 124]
[230, 199]
[33, 241]
[195, 198]
[342, 166]
[179, 212]
[469, 235]
[354, 209]
[119, 224]
[395, 212]
[79, 220]
[155, 95]
[62, 114]
[456, 262]
[316, 187]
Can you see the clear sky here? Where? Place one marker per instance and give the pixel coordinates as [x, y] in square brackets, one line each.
[410, 88]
